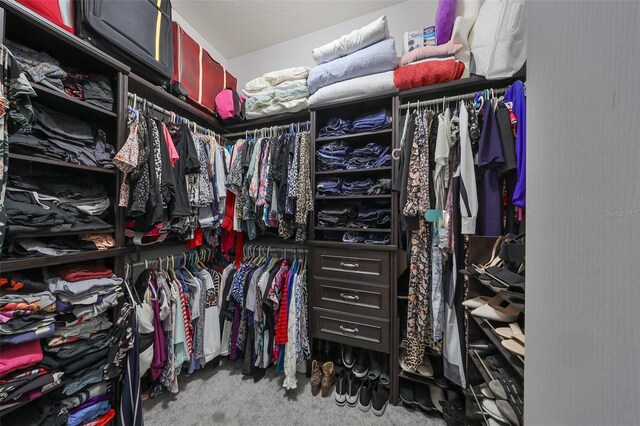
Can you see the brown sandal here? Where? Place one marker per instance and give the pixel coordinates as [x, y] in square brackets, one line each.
[316, 377]
[328, 378]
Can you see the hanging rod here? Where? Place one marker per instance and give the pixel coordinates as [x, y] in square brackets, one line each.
[455, 98]
[173, 259]
[256, 249]
[172, 116]
[291, 127]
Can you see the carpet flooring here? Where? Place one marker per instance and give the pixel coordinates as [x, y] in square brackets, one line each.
[222, 395]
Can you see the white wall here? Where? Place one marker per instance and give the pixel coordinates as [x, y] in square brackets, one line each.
[583, 200]
[405, 16]
[200, 40]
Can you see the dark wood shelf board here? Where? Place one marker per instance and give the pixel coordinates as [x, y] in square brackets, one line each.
[38, 262]
[403, 297]
[354, 135]
[478, 364]
[62, 164]
[273, 120]
[356, 99]
[352, 246]
[354, 197]
[164, 99]
[416, 378]
[37, 235]
[511, 359]
[373, 230]
[46, 95]
[344, 172]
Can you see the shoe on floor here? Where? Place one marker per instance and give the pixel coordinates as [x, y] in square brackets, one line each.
[385, 380]
[407, 393]
[425, 369]
[422, 397]
[353, 389]
[379, 399]
[361, 366]
[328, 378]
[348, 356]
[437, 397]
[364, 399]
[375, 365]
[340, 392]
[316, 377]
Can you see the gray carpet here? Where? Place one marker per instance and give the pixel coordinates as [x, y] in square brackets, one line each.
[223, 395]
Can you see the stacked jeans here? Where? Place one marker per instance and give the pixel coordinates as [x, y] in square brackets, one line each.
[336, 127]
[371, 121]
[335, 217]
[332, 156]
[356, 186]
[377, 217]
[382, 186]
[329, 186]
[366, 238]
[370, 156]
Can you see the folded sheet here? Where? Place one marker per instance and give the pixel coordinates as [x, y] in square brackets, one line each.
[274, 78]
[360, 86]
[285, 85]
[425, 52]
[374, 59]
[255, 103]
[279, 108]
[352, 42]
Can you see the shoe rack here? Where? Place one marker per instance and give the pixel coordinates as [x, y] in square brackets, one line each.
[488, 361]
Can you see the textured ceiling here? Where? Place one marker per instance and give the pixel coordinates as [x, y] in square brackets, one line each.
[237, 27]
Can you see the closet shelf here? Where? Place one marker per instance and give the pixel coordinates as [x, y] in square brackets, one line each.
[62, 164]
[403, 297]
[353, 197]
[272, 120]
[353, 246]
[354, 135]
[511, 359]
[479, 366]
[156, 95]
[64, 102]
[416, 378]
[375, 230]
[39, 262]
[344, 172]
[37, 235]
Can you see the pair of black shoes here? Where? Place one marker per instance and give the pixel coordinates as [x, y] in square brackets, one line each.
[369, 364]
[421, 395]
[365, 393]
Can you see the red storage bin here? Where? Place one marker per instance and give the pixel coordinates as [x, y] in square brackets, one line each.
[59, 12]
[193, 67]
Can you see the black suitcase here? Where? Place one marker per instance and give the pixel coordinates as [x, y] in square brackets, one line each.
[137, 32]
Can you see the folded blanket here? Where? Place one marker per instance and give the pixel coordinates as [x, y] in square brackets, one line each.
[360, 86]
[376, 58]
[255, 103]
[279, 108]
[425, 52]
[285, 85]
[352, 42]
[429, 71]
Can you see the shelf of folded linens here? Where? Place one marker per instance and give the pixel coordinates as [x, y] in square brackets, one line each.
[39, 262]
[9, 407]
[349, 171]
[36, 235]
[61, 101]
[353, 135]
[166, 100]
[353, 197]
[352, 246]
[513, 360]
[61, 164]
[272, 120]
[376, 230]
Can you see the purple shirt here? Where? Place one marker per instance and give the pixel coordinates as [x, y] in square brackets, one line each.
[515, 95]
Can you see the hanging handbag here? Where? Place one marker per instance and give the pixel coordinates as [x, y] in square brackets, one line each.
[230, 106]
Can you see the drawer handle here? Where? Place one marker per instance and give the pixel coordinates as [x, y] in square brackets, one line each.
[349, 265]
[349, 296]
[349, 330]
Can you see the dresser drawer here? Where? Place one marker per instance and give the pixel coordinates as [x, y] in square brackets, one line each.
[349, 329]
[365, 266]
[351, 297]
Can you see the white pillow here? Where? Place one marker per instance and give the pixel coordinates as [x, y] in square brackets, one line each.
[352, 42]
[360, 86]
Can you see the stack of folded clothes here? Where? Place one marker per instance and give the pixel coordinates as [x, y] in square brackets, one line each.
[57, 246]
[43, 69]
[428, 65]
[59, 136]
[27, 310]
[365, 122]
[329, 187]
[352, 186]
[371, 217]
[41, 204]
[277, 92]
[366, 238]
[358, 63]
[336, 216]
[332, 156]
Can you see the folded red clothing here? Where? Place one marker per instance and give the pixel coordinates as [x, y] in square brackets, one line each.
[429, 71]
[82, 271]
